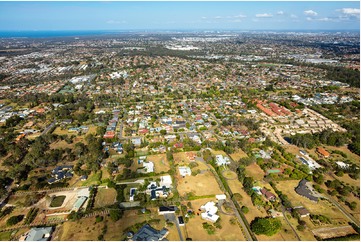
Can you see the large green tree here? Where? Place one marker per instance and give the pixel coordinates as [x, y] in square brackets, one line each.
[266, 226]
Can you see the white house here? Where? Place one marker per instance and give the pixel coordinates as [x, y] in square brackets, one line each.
[210, 209]
[221, 197]
[184, 171]
[220, 160]
[166, 181]
[148, 166]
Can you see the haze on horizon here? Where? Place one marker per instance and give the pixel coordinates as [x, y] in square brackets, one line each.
[337, 15]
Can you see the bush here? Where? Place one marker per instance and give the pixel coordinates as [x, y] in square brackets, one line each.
[266, 226]
[209, 228]
[14, 220]
[99, 219]
[244, 209]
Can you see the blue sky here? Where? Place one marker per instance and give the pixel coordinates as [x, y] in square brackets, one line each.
[252, 15]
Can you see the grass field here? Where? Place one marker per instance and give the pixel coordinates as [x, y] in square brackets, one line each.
[197, 232]
[160, 162]
[255, 171]
[83, 229]
[5, 236]
[61, 145]
[105, 197]
[238, 155]
[200, 185]
[322, 207]
[93, 179]
[180, 158]
[57, 201]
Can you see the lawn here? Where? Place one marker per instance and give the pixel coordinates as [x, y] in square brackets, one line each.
[105, 197]
[5, 236]
[57, 201]
[93, 179]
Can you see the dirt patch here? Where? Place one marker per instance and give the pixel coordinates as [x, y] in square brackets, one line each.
[326, 233]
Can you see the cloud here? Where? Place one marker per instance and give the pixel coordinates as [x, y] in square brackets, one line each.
[325, 19]
[310, 13]
[350, 11]
[218, 17]
[240, 16]
[204, 17]
[264, 15]
[280, 13]
[293, 16]
[115, 22]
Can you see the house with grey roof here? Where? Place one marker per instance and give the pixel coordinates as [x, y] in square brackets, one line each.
[303, 190]
[147, 233]
[38, 234]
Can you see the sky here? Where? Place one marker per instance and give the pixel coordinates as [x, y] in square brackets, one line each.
[243, 15]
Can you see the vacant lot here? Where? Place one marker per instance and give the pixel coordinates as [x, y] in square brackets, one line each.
[105, 197]
[197, 232]
[181, 157]
[61, 145]
[238, 155]
[160, 162]
[255, 171]
[322, 207]
[325, 233]
[200, 185]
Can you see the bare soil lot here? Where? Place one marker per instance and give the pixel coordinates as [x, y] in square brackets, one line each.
[200, 185]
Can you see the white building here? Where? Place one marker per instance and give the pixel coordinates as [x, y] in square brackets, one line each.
[166, 181]
[148, 166]
[210, 209]
[220, 160]
[184, 171]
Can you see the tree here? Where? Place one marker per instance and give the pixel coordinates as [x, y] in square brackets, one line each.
[14, 220]
[116, 214]
[244, 209]
[266, 226]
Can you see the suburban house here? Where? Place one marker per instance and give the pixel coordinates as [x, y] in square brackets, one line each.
[269, 195]
[37, 234]
[148, 167]
[147, 233]
[161, 190]
[323, 152]
[303, 190]
[59, 173]
[210, 209]
[166, 209]
[222, 161]
[302, 211]
[184, 171]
